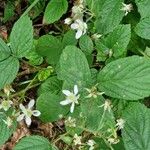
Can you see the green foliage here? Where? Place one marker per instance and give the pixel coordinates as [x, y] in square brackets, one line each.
[126, 78]
[21, 37]
[33, 143]
[51, 15]
[137, 118]
[73, 67]
[49, 105]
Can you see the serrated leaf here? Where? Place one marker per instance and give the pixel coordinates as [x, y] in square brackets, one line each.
[126, 78]
[109, 17]
[136, 131]
[33, 143]
[5, 131]
[116, 42]
[142, 28]
[49, 47]
[51, 15]
[8, 68]
[4, 50]
[52, 85]
[143, 8]
[73, 67]
[86, 44]
[69, 38]
[49, 106]
[21, 37]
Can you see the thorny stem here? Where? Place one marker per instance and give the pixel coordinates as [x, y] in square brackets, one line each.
[29, 8]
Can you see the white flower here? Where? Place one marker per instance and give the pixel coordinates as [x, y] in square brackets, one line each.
[6, 104]
[113, 140]
[96, 36]
[80, 26]
[106, 105]
[27, 113]
[8, 122]
[120, 123]
[91, 143]
[70, 122]
[68, 21]
[93, 92]
[72, 98]
[77, 139]
[127, 8]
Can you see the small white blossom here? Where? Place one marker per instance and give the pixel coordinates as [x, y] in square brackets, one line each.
[6, 104]
[77, 139]
[7, 89]
[80, 26]
[120, 123]
[91, 144]
[93, 92]
[127, 8]
[113, 140]
[8, 122]
[71, 98]
[96, 36]
[106, 105]
[70, 122]
[27, 113]
[68, 21]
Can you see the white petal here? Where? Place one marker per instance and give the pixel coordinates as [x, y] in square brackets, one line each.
[66, 92]
[20, 117]
[75, 89]
[31, 103]
[36, 113]
[22, 107]
[78, 34]
[65, 102]
[74, 26]
[72, 107]
[28, 121]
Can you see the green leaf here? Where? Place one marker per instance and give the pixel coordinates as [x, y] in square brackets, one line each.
[8, 68]
[49, 106]
[69, 38]
[143, 7]
[49, 47]
[136, 131]
[9, 11]
[86, 44]
[95, 118]
[4, 50]
[109, 17]
[54, 10]
[52, 85]
[73, 67]
[21, 37]
[5, 131]
[126, 78]
[33, 143]
[142, 28]
[116, 42]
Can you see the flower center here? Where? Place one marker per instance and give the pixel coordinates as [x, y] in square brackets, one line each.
[29, 112]
[72, 97]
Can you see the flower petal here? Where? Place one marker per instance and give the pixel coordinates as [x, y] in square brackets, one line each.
[78, 34]
[31, 103]
[72, 107]
[74, 26]
[65, 102]
[66, 92]
[75, 89]
[20, 117]
[36, 113]
[22, 107]
[28, 121]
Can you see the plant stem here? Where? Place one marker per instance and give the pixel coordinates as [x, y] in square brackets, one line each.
[29, 8]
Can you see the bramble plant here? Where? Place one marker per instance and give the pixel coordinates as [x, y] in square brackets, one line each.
[75, 75]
